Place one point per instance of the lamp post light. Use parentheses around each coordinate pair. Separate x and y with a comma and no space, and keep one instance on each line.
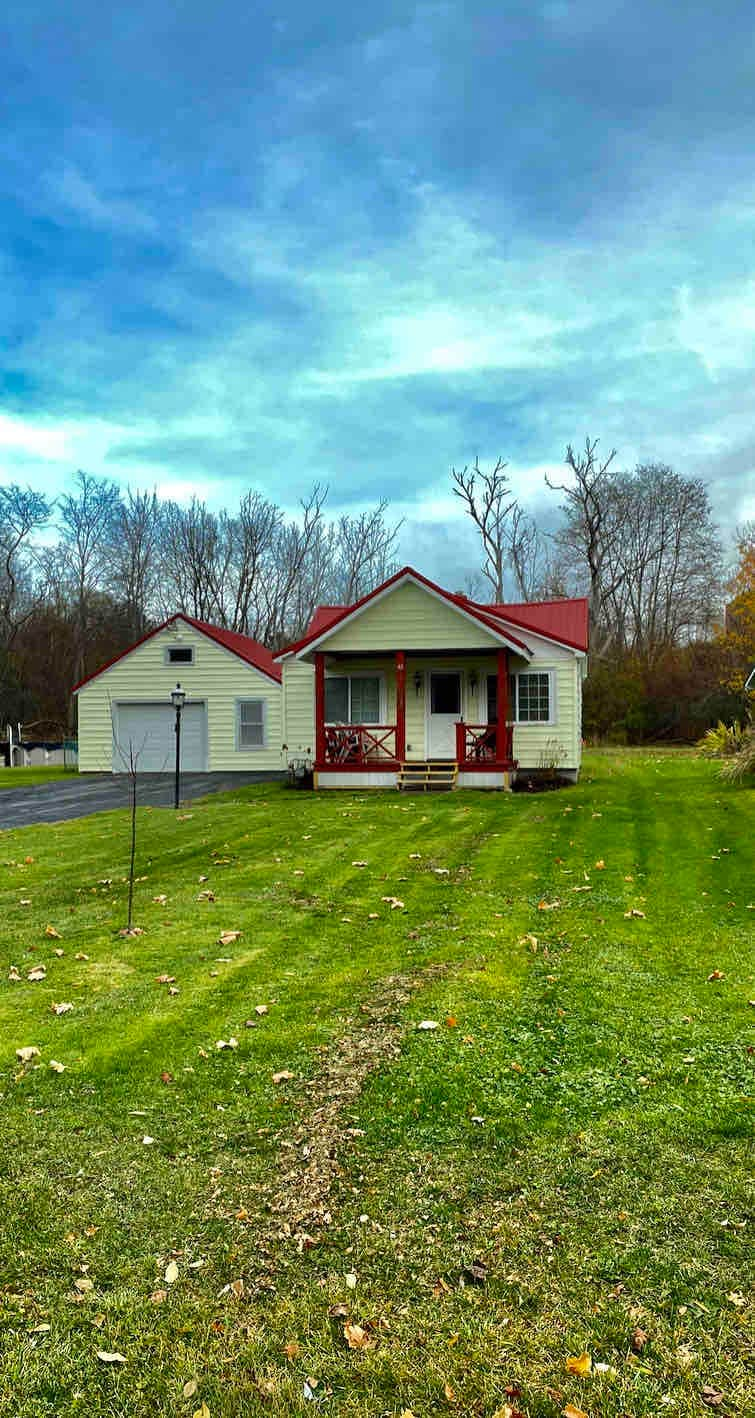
(177,699)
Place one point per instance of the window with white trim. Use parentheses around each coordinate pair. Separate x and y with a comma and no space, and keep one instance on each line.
(352,699)
(532,699)
(250,723)
(180,655)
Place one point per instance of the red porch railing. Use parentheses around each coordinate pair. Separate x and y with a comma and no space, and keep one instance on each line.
(477,744)
(360,745)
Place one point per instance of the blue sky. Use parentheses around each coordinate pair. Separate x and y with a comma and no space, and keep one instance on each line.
(262,244)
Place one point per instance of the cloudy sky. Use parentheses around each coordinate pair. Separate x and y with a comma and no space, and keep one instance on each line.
(261,244)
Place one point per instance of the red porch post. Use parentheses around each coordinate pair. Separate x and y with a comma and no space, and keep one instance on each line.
(502,701)
(400,705)
(319,707)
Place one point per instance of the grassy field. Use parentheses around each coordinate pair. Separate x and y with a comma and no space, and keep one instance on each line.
(28,777)
(346,1212)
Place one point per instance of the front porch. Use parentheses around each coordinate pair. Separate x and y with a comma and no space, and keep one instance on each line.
(429,706)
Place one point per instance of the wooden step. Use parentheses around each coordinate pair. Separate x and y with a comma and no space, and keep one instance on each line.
(427,776)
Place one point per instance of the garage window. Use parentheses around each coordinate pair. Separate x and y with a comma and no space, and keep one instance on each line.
(250,723)
(180,655)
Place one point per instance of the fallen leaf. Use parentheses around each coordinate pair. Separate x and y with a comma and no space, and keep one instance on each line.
(158,1297)
(634,913)
(165,979)
(571,1412)
(190,1388)
(203,1411)
(639,1340)
(581,1365)
(37,974)
(84,1285)
(63,1008)
(351,1280)
(13,974)
(451,1021)
(227,1043)
(171,1273)
(600,866)
(292,1350)
(110,1358)
(714,975)
(228,937)
(57,1067)
(51,932)
(282,1077)
(159,900)
(261,1009)
(712,1396)
(448,1393)
(147,1140)
(356,1337)
(548,905)
(428,1024)
(27,1053)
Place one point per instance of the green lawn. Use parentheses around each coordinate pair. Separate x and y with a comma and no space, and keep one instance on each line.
(558,1168)
(29,777)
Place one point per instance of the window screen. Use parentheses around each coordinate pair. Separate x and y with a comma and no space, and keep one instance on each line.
(336,699)
(252,723)
(533,694)
(365,699)
(180,655)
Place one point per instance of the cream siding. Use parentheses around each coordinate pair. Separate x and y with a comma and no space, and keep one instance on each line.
(298,709)
(534,744)
(217,677)
(409,618)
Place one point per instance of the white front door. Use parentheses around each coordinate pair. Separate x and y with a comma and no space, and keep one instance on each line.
(443,702)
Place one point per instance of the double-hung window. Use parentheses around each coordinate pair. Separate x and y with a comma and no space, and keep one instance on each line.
(352,699)
(531,698)
(250,723)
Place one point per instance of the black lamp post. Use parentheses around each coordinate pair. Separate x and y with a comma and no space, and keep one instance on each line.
(177,699)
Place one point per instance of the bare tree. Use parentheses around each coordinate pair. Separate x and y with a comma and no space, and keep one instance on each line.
(22,513)
(133,555)
(591,528)
(365,547)
(85,521)
(488,500)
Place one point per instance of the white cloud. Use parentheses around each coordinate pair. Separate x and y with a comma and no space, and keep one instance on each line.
(39,439)
(719,329)
(74,191)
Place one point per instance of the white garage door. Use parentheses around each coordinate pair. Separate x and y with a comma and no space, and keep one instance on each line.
(149,730)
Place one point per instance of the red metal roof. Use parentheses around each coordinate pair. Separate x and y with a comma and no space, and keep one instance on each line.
(340,613)
(242,645)
(566,621)
(322,616)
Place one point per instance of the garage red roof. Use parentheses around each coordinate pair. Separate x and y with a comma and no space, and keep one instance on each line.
(251,651)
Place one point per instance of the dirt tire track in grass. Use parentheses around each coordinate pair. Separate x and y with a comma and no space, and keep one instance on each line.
(301,1196)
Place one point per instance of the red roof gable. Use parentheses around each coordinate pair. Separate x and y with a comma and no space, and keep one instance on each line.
(331,616)
(566,620)
(251,651)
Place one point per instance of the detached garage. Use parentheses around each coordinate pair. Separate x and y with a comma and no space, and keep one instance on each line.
(231,719)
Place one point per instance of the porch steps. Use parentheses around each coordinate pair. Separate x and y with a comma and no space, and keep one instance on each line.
(429,776)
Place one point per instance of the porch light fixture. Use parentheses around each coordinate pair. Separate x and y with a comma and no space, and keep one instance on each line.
(418,684)
(178,699)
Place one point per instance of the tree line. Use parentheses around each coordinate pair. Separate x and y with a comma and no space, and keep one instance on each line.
(85,575)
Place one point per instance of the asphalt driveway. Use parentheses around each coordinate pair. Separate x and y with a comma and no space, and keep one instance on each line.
(67,798)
